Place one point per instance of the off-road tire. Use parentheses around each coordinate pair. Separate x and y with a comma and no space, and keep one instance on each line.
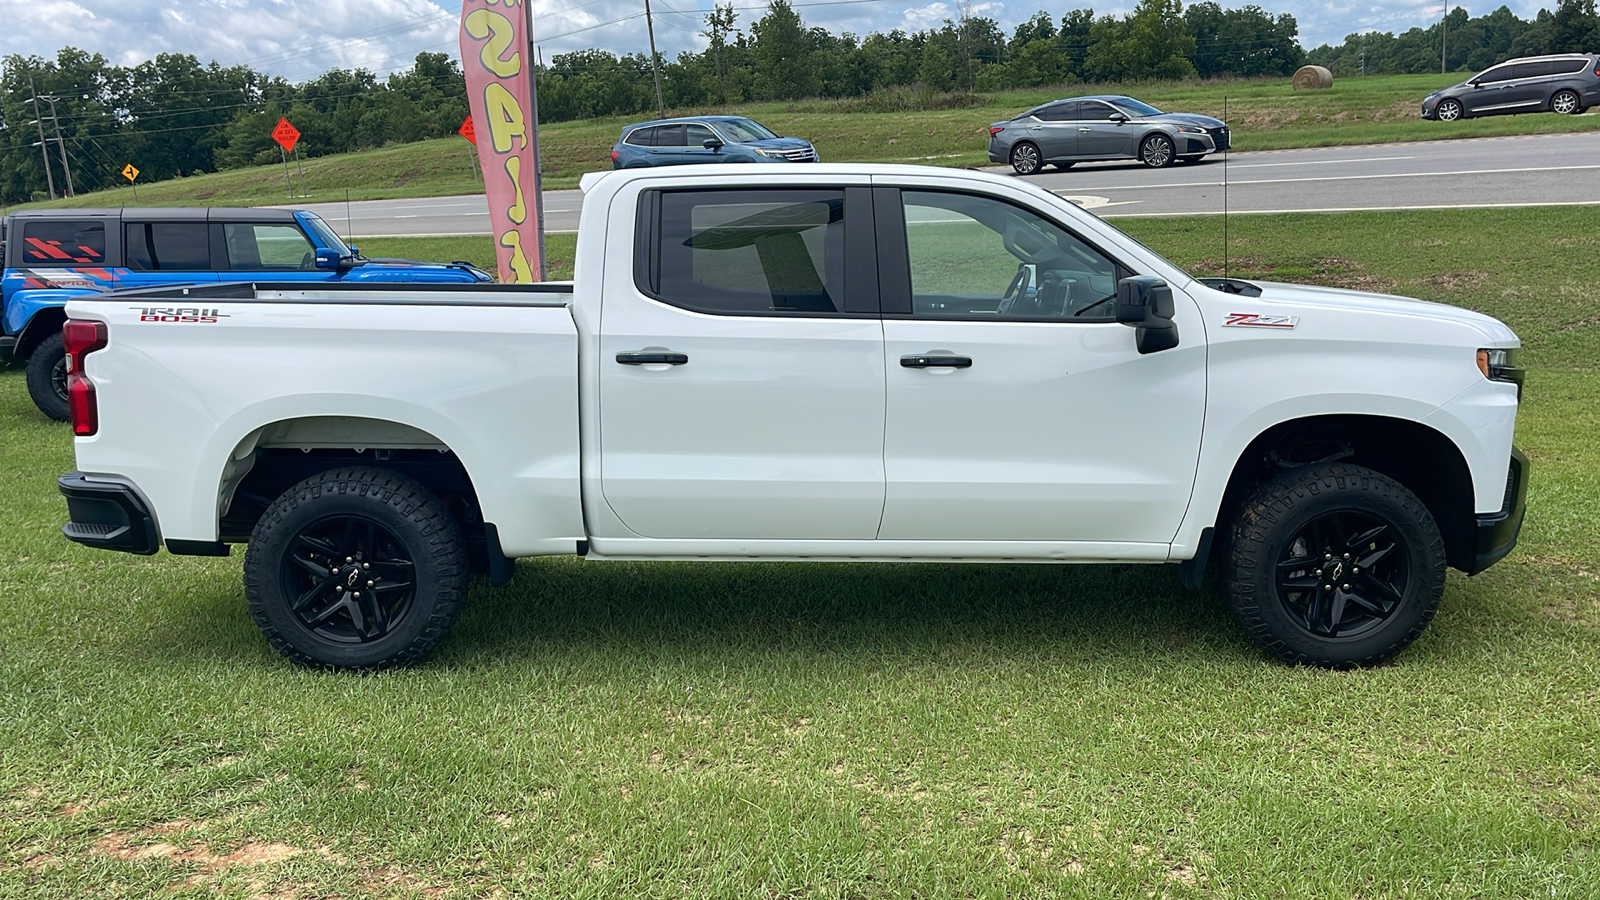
(307,520)
(1278,528)
(47,378)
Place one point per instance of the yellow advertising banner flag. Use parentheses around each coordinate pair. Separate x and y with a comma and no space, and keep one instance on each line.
(494,58)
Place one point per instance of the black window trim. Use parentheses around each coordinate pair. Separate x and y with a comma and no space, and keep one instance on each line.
(894,278)
(861,258)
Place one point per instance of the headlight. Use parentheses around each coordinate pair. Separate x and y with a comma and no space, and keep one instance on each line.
(1191,129)
(774,154)
(1500,364)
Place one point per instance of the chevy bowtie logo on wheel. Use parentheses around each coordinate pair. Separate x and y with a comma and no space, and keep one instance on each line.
(178,314)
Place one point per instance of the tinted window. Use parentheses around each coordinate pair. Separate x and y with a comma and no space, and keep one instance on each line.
(669,136)
(1499,73)
(982,258)
(698,135)
(1095,110)
(1057,112)
(168,246)
(642,137)
(1532,70)
(1571,66)
(261,246)
(746,252)
(64,243)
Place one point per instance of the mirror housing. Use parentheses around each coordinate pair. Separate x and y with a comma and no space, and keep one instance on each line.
(711,143)
(1145,302)
(328,258)
(1118,118)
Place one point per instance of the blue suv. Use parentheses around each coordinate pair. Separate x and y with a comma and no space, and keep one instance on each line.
(53,255)
(705,139)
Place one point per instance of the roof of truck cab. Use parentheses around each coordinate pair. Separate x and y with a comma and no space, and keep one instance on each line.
(166,213)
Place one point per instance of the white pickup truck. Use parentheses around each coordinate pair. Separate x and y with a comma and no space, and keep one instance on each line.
(828,362)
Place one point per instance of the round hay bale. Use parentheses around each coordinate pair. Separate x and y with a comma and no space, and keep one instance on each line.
(1310,78)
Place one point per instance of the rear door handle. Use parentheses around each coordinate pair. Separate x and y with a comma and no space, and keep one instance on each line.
(929,362)
(652,357)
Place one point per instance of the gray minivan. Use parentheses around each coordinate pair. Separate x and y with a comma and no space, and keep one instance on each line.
(1568,83)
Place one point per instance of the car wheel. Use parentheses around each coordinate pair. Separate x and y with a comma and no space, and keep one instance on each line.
(356,568)
(1063,166)
(1449,110)
(1566,103)
(1025,158)
(47,378)
(1156,151)
(1334,565)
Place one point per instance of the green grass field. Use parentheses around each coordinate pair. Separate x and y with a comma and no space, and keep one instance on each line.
(1265,115)
(831,730)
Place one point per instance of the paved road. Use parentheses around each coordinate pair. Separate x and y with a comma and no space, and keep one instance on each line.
(1512,171)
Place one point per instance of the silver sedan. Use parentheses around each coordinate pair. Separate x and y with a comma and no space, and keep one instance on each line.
(1103,127)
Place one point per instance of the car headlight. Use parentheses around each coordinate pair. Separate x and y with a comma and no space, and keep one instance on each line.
(774,154)
(1191,129)
(1500,364)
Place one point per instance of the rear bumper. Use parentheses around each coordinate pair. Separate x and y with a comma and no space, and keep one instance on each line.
(1496,533)
(107,515)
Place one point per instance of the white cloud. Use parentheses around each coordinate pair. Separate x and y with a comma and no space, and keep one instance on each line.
(300,39)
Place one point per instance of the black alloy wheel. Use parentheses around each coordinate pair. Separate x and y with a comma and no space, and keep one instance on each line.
(357,568)
(1025,158)
(47,378)
(1449,110)
(1343,574)
(1334,565)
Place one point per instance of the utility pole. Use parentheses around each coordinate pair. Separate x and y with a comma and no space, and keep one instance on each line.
(649,25)
(44,150)
(60,143)
(1444,34)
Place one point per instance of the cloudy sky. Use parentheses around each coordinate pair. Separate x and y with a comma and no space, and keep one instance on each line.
(299,39)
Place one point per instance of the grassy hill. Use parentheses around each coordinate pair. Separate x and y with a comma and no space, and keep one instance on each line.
(894,126)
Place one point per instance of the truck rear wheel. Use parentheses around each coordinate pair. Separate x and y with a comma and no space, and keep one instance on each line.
(47,377)
(1334,565)
(356,568)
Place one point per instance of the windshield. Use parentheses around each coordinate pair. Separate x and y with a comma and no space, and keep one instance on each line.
(743,131)
(1135,107)
(324,233)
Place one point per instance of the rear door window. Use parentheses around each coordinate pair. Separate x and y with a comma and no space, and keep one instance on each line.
(1058,112)
(167,246)
(749,252)
(669,136)
(1533,69)
(65,243)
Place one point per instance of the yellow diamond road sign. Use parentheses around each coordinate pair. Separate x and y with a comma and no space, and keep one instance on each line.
(129,172)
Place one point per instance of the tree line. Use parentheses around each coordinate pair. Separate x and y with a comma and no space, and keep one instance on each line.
(178,116)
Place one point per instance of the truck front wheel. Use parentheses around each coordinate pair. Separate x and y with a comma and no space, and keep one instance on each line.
(356,568)
(47,377)
(1334,565)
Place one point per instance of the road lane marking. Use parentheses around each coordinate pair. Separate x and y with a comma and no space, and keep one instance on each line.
(1234,182)
(1339,209)
(1318,162)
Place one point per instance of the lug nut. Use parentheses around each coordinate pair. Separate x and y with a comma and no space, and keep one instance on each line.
(339,589)
(366,565)
(348,559)
(1344,587)
(371,583)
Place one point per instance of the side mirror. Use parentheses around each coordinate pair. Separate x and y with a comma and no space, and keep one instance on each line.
(355,252)
(328,258)
(1145,302)
(1118,118)
(711,144)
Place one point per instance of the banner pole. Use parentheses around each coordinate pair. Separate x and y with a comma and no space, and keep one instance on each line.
(533,130)
(288,183)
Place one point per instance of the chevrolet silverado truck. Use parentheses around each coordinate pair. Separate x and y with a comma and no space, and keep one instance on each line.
(56,254)
(846,363)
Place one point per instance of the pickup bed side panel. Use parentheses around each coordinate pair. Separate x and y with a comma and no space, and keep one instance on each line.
(495,384)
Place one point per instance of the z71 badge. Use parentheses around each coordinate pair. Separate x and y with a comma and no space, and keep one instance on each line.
(1253,320)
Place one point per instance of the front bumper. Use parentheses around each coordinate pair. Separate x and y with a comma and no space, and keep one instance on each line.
(1496,533)
(107,515)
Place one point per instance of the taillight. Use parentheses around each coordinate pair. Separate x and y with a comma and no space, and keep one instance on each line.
(82,338)
(996,129)
(614,155)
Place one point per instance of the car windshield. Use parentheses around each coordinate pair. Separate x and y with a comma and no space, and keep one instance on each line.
(743,131)
(325,233)
(1134,107)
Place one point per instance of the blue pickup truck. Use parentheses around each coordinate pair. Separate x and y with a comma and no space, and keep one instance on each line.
(51,255)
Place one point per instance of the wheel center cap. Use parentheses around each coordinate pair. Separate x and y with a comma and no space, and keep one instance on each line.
(352,574)
(1334,571)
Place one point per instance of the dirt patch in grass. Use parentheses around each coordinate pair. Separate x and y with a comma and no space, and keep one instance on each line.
(1457,281)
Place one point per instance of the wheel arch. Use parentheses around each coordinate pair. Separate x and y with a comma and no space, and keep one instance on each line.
(47,321)
(1426,461)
